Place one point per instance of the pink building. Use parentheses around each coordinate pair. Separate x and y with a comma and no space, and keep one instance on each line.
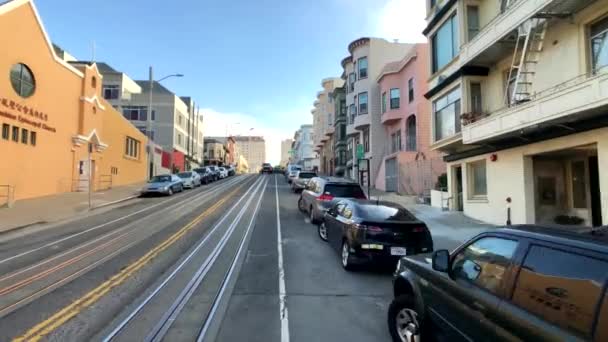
(409,166)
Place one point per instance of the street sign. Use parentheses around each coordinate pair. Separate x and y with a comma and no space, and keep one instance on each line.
(360,152)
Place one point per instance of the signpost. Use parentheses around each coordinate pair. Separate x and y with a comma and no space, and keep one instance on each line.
(360,152)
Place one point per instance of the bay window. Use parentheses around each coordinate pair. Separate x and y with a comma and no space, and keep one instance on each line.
(445,43)
(362,103)
(446,111)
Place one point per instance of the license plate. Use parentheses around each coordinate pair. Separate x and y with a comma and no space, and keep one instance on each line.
(398,251)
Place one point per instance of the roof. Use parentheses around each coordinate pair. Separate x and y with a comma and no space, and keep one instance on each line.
(158,88)
(570,235)
(101,66)
(397,66)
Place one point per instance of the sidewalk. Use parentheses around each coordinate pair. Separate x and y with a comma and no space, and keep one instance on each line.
(453,225)
(48,209)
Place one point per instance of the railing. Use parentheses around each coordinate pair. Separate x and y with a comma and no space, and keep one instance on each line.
(470,117)
(7,195)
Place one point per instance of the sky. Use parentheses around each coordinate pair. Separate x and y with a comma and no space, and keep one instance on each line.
(247,63)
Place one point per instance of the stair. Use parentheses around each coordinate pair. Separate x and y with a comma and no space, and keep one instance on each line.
(528,48)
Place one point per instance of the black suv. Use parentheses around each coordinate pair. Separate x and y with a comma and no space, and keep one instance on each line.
(266,168)
(522,283)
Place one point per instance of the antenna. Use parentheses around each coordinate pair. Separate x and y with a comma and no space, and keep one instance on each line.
(93,52)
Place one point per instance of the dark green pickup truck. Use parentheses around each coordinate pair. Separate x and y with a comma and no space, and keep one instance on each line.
(522,283)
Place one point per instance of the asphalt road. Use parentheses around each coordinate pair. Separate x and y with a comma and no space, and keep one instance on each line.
(204,265)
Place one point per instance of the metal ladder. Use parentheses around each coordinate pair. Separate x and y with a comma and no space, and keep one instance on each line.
(528,47)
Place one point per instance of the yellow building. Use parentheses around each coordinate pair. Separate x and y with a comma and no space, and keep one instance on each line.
(52,114)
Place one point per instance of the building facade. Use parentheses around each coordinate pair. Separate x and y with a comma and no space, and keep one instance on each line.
(409,166)
(367,57)
(253,148)
(215,152)
(339,135)
(303,144)
(285,151)
(518,99)
(323,124)
(57,139)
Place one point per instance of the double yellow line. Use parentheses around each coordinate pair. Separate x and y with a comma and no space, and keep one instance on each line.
(59,318)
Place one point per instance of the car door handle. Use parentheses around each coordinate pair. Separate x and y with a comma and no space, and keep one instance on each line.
(479,307)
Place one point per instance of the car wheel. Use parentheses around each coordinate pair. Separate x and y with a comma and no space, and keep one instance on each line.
(403,320)
(170,192)
(301,205)
(347,262)
(322,231)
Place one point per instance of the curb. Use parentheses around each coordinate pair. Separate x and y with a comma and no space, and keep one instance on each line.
(115,202)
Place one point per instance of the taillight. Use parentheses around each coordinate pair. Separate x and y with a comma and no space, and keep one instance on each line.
(325,197)
(368,228)
(418,230)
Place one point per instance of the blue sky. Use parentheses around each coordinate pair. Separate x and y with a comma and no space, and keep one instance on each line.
(257,63)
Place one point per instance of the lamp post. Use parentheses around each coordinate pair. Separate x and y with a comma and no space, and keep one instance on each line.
(149,119)
(250,149)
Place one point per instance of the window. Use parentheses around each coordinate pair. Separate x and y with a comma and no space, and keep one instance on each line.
(563,288)
(25,134)
(6,128)
(179,139)
(396,141)
(410,90)
(362,103)
(410,141)
(145,132)
(353,113)
(476,97)
(351,82)
(22,80)
(384,102)
(445,44)
(179,119)
(484,262)
(579,187)
(472,21)
(343,108)
(33,138)
(395,97)
(599,44)
(136,113)
(94,82)
(110,92)
(132,147)
(447,115)
(366,139)
(362,65)
(15,134)
(477,179)
(329,120)
(342,131)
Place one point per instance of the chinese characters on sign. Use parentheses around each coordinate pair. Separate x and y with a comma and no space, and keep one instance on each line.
(29,114)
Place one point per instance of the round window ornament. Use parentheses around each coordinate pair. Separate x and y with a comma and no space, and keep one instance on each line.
(22,80)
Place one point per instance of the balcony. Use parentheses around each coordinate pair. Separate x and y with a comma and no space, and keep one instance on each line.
(350,130)
(583,97)
(329,131)
(484,49)
(362,121)
(391,116)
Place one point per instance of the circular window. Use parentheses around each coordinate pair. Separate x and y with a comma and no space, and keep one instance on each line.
(22,80)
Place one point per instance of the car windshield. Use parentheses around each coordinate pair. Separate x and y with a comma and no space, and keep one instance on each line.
(306,175)
(345,190)
(160,179)
(184,174)
(373,212)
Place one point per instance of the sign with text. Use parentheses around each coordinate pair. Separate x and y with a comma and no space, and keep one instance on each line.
(26,114)
(360,151)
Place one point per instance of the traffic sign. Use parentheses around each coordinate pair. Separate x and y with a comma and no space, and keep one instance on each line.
(360,152)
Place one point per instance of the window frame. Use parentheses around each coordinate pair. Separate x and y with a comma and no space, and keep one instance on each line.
(589,40)
(132,148)
(365,138)
(391,98)
(112,88)
(359,67)
(25,135)
(33,138)
(411,142)
(383,102)
(470,29)
(18,83)
(471,195)
(352,78)
(15,133)
(435,109)
(455,41)
(410,90)
(6,131)
(365,95)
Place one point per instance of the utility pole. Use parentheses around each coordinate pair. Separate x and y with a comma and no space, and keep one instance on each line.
(149,124)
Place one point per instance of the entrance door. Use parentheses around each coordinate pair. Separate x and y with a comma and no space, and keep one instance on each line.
(390,169)
(594,184)
(457,194)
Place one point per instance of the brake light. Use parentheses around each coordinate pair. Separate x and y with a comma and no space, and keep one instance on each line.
(418,230)
(325,197)
(368,228)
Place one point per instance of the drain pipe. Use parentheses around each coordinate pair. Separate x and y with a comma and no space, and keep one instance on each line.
(508,211)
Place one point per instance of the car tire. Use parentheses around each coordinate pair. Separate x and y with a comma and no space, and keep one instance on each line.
(301,206)
(345,256)
(311,215)
(322,229)
(401,310)
(170,191)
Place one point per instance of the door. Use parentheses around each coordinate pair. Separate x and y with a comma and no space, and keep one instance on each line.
(457,189)
(333,225)
(390,169)
(594,185)
(464,304)
(308,194)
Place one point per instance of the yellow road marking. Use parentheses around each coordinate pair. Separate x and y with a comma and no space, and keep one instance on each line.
(62,316)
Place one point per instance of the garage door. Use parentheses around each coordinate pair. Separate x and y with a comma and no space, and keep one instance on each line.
(390,169)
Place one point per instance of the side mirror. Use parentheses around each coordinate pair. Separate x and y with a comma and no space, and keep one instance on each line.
(441,260)
(330,212)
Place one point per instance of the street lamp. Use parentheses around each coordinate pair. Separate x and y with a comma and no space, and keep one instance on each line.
(149,120)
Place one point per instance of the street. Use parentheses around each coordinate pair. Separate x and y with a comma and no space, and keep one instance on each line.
(202,265)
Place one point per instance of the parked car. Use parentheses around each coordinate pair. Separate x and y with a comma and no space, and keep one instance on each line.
(190,179)
(266,168)
(315,199)
(522,283)
(231,170)
(301,179)
(163,184)
(223,172)
(364,231)
(205,173)
(215,172)
(289,169)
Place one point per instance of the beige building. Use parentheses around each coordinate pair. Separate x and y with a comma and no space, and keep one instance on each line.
(253,148)
(323,124)
(285,149)
(367,57)
(518,91)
